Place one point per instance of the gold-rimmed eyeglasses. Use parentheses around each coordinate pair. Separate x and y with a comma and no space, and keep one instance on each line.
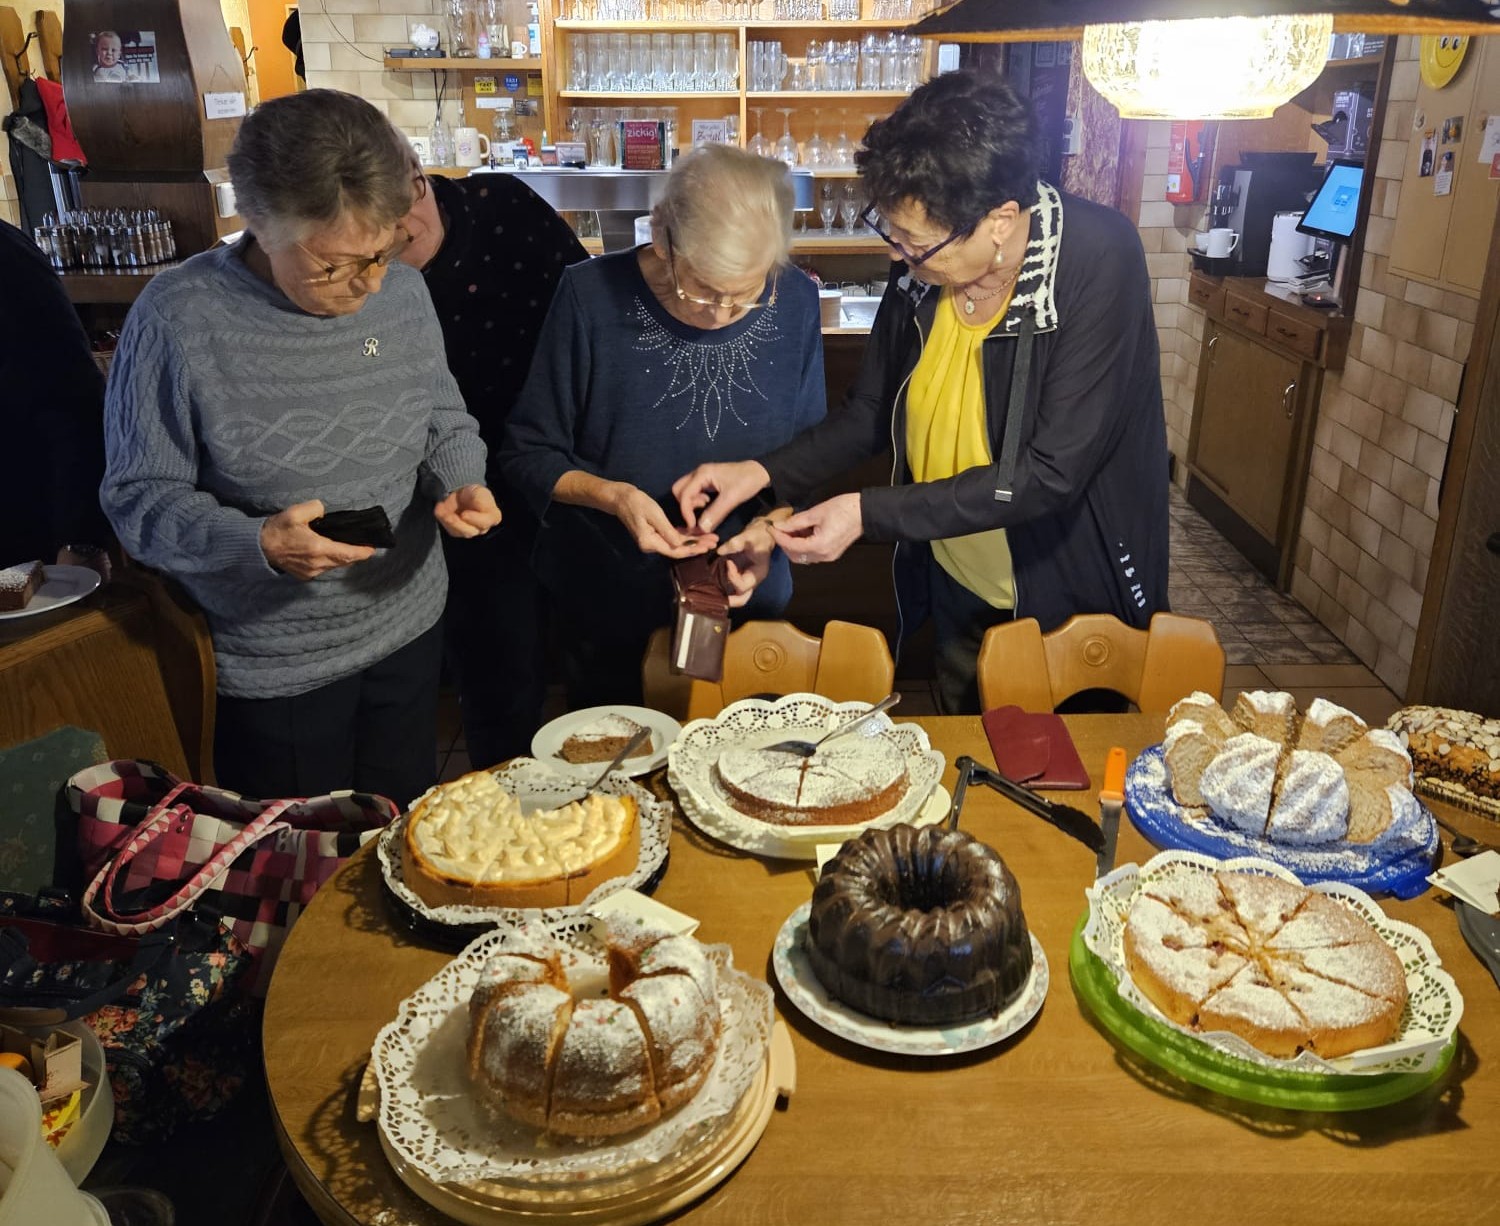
(723,302)
(338,274)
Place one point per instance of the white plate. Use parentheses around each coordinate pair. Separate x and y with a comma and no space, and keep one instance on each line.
(60,585)
(804,989)
(548,742)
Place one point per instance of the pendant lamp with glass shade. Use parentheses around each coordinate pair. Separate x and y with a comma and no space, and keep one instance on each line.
(1206,68)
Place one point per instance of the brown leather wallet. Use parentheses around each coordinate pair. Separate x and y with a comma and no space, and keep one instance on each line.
(702,589)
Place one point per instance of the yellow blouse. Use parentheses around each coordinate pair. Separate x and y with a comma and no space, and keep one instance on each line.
(946,433)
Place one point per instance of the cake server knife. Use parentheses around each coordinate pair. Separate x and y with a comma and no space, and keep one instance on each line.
(1066,818)
(630,747)
(1111,800)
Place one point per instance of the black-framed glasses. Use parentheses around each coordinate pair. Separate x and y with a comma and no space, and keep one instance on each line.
(338,274)
(721,303)
(870,217)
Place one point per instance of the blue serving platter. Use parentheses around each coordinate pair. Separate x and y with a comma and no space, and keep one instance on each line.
(1397,864)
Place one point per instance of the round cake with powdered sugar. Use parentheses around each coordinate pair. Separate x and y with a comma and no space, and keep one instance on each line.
(594,1054)
(1285,968)
(1312,779)
(849,781)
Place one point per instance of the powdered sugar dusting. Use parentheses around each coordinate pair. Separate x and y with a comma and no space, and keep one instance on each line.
(1237,784)
(1312,803)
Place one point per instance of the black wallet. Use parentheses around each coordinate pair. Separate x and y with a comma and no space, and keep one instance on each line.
(702,597)
(368,526)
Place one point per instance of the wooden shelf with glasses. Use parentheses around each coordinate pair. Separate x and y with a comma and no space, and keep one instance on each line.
(648,27)
(684,95)
(407,63)
(811,242)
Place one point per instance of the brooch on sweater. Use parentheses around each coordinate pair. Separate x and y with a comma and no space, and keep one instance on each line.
(372,346)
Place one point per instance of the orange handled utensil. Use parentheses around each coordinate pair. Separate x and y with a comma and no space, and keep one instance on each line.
(1111,800)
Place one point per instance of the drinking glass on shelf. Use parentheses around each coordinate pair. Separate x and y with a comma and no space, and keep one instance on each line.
(619,62)
(726,62)
(578,61)
(850,205)
(797,81)
(462,22)
(682,62)
(669,118)
(786,147)
(817,64)
(842,152)
(759,145)
(869,62)
(640,62)
(828,205)
(703,61)
(817,151)
(661,62)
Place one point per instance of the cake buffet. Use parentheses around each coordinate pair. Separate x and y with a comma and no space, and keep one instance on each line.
(589,1055)
(647,995)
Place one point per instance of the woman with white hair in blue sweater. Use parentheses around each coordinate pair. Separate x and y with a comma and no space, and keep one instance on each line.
(259,386)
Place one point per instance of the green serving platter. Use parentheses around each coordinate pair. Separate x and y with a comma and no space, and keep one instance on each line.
(1194,1061)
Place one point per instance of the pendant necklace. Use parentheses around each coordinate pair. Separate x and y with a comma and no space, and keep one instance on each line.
(971,299)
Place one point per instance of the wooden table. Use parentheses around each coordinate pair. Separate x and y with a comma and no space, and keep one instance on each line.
(1054,1125)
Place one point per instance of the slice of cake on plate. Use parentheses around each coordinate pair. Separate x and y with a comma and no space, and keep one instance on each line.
(18,584)
(601,739)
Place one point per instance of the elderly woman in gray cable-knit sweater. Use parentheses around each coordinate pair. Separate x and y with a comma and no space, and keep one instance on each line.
(258,386)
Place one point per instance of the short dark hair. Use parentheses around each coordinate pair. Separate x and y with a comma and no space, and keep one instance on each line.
(961,145)
(309,158)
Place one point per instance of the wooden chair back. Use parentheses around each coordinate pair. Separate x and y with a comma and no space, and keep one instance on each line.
(1021,666)
(850,663)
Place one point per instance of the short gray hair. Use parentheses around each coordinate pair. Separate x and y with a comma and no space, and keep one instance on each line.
(308,159)
(728,211)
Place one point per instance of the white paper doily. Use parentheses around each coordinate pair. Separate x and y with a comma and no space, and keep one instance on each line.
(806,991)
(1434,1005)
(539,787)
(430,1115)
(756,722)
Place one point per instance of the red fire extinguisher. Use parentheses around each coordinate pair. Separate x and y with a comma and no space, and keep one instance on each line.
(1188,160)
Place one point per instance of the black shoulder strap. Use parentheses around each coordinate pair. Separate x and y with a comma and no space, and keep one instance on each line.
(1010,445)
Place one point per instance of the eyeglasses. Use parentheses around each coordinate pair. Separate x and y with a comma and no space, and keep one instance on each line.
(870,218)
(721,303)
(338,274)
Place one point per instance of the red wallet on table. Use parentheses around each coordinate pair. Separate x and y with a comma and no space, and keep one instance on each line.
(1034,748)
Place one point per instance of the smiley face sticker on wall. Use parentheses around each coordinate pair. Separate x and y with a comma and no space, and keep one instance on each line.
(1441,56)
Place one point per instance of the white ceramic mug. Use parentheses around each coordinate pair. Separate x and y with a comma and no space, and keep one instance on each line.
(471,147)
(1221,243)
(1200,240)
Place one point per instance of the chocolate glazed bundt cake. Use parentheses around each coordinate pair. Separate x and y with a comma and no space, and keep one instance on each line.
(921,927)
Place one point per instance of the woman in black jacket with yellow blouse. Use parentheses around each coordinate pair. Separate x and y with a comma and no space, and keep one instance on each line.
(1013,367)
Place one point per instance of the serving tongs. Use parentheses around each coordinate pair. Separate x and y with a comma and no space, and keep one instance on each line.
(1069,820)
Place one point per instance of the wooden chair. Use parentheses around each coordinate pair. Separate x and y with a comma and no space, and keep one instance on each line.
(1021,666)
(849,663)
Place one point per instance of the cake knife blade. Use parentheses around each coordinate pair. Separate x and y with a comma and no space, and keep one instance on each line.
(1111,800)
(1066,818)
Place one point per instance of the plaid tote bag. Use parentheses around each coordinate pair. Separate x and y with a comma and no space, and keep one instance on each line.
(154,846)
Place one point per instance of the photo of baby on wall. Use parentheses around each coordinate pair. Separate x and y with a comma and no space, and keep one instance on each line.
(125,57)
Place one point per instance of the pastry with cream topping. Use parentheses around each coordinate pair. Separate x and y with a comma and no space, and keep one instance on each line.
(1286,968)
(470,843)
(850,781)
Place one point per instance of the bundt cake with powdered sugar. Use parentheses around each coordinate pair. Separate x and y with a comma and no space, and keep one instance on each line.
(919,926)
(581,1057)
(1286,968)
(1300,779)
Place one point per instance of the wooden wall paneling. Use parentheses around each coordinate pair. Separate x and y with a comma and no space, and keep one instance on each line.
(1418,243)
(1461,577)
(1132,168)
(49,39)
(1475,193)
(144,129)
(12,45)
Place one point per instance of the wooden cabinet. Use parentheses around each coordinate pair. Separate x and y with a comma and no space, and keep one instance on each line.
(1260,375)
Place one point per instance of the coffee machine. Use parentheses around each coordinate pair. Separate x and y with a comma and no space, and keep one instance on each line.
(1247,198)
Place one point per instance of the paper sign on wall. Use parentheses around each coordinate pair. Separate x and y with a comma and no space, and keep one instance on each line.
(484,85)
(226,105)
(1490,145)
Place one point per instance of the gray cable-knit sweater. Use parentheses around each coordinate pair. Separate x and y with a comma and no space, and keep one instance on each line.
(226,404)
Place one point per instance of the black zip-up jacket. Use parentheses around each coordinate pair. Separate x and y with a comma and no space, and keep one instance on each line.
(1085,503)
